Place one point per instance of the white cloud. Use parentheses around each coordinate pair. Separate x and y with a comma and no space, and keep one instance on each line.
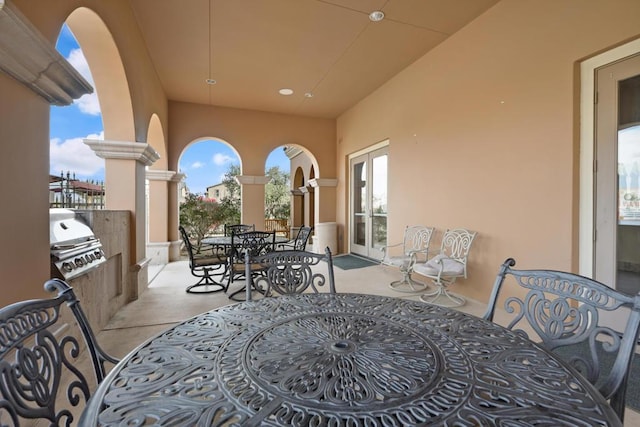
(75,156)
(87,104)
(220,159)
(197,165)
(79,62)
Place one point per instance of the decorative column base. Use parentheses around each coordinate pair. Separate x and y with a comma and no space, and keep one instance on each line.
(158,252)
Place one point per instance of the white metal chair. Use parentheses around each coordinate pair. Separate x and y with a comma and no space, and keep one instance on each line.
(415,249)
(563,312)
(444,268)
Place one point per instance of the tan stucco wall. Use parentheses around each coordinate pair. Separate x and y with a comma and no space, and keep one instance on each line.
(254,135)
(483,132)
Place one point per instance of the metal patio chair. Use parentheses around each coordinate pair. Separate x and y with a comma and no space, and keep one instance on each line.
(446,267)
(415,249)
(287,272)
(562,312)
(40,377)
(300,242)
(254,243)
(238,228)
(205,265)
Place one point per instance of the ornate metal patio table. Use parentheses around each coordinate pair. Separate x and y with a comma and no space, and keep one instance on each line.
(343,360)
(226,240)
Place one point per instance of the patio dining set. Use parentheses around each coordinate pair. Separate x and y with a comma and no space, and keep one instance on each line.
(297,351)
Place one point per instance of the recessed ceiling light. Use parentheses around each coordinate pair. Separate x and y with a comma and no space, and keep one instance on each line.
(210,81)
(308,95)
(376,16)
(285,92)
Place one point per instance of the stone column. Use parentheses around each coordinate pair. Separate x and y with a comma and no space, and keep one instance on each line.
(125,164)
(158,243)
(252,191)
(174,216)
(325,233)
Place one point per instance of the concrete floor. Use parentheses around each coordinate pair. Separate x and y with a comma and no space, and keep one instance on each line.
(165,303)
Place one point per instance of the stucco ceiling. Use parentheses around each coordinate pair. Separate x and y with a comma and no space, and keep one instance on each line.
(329,48)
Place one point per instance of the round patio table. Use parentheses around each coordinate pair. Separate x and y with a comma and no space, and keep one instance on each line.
(343,360)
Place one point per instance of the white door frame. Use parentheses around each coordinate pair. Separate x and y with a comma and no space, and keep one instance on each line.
(587,159)
(374,147)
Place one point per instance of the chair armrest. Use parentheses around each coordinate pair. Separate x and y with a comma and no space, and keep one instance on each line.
(385,252)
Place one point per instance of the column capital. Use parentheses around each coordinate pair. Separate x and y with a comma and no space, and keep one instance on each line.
(178,177)
(124,150)
(323,182)
(160,175)
(252,180)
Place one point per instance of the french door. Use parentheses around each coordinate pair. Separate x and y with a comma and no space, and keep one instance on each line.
(368,199)
(617,175)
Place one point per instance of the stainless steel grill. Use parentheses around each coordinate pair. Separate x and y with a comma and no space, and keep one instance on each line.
(74,248)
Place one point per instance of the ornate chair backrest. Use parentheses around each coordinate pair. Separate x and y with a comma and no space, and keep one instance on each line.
(253,242)
(416,241)
(300,242)
(456,244)
(230,230)
(289,272)
(563,312)
(187,244)
(39,366)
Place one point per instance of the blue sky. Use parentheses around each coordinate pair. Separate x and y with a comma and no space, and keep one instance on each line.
(204,162)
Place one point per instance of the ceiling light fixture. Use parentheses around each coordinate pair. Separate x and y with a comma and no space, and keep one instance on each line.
(211,81)
(376,16)
(285,92)
(308,95)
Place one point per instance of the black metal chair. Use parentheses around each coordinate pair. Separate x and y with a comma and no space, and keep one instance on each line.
(40,377)
(205,266)
(300,242)
(253,243)
(562,311)
(287,272)
(238,228)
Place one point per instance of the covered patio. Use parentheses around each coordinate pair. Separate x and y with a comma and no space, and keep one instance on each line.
(484,110)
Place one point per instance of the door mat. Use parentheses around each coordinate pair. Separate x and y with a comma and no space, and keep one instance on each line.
(349,262)
(606,362)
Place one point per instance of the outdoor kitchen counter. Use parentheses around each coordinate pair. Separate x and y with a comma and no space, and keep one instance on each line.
(343,359)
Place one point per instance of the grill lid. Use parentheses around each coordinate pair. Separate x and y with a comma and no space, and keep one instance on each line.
(74,248)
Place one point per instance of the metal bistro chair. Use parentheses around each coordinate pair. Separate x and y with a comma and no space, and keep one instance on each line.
(254,243)
(205,266)
(300,242)
(562,311)
(287,272)
(415,249)
(230,230)
(444,268)
(40,377)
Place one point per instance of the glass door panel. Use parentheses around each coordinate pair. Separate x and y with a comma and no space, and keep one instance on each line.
(369,203)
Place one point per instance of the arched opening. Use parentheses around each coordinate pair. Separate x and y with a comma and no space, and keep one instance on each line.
(108,73)
(76,174)
(209,196)
(277,192)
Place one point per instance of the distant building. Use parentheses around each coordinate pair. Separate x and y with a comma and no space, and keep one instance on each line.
(218,191)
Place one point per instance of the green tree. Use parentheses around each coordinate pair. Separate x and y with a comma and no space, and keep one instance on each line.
(199,215)
(230,205)
(277,203)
